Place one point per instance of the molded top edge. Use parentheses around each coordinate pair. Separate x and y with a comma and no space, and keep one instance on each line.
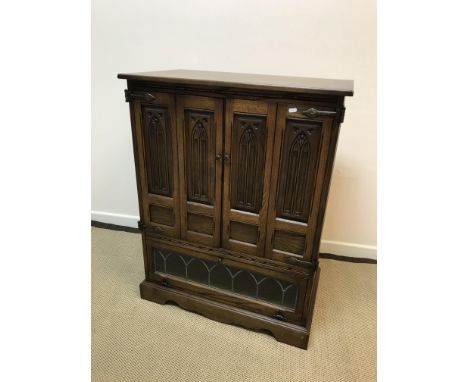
(246,81)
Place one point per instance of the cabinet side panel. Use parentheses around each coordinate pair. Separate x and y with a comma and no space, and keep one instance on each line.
(136,157)
(326,187)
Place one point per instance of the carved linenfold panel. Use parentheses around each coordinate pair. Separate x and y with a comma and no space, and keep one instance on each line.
(227,277)
(158,147)
(248,162)
(200,156)
(299,160)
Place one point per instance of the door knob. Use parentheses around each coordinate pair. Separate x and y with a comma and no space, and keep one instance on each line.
(226,157)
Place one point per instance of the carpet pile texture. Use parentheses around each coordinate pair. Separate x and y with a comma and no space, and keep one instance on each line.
(139,341)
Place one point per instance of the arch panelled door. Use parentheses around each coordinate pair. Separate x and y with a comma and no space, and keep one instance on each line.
(298,171)
(200,137)
(248,148)
(155,134)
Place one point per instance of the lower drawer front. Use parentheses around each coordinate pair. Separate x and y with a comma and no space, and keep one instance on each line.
(230,282)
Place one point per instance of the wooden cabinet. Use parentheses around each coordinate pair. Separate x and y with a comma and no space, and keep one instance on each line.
(233,174)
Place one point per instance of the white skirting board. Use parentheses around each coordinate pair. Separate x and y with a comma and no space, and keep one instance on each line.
(327,246)
(117,219)
(349,249)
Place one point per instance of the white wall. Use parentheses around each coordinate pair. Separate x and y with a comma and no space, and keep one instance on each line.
(322,38)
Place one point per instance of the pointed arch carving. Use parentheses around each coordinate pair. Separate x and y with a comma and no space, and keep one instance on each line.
(158,151)
(299,163)
(248,158)
(199,157)
(298,168)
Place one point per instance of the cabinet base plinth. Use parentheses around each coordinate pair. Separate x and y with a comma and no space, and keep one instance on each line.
(288,333)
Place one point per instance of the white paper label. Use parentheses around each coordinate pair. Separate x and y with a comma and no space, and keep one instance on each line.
(292,109)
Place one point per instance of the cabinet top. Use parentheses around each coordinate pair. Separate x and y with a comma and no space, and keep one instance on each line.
(246,81)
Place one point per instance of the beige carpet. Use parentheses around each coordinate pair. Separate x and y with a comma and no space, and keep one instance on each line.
(137,340)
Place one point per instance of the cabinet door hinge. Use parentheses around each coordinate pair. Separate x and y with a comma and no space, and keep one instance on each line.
(138,96)
(340,112)
(313,113)
(145,227)
(312,264)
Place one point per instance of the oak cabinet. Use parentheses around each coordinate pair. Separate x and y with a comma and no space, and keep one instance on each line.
(233,172)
